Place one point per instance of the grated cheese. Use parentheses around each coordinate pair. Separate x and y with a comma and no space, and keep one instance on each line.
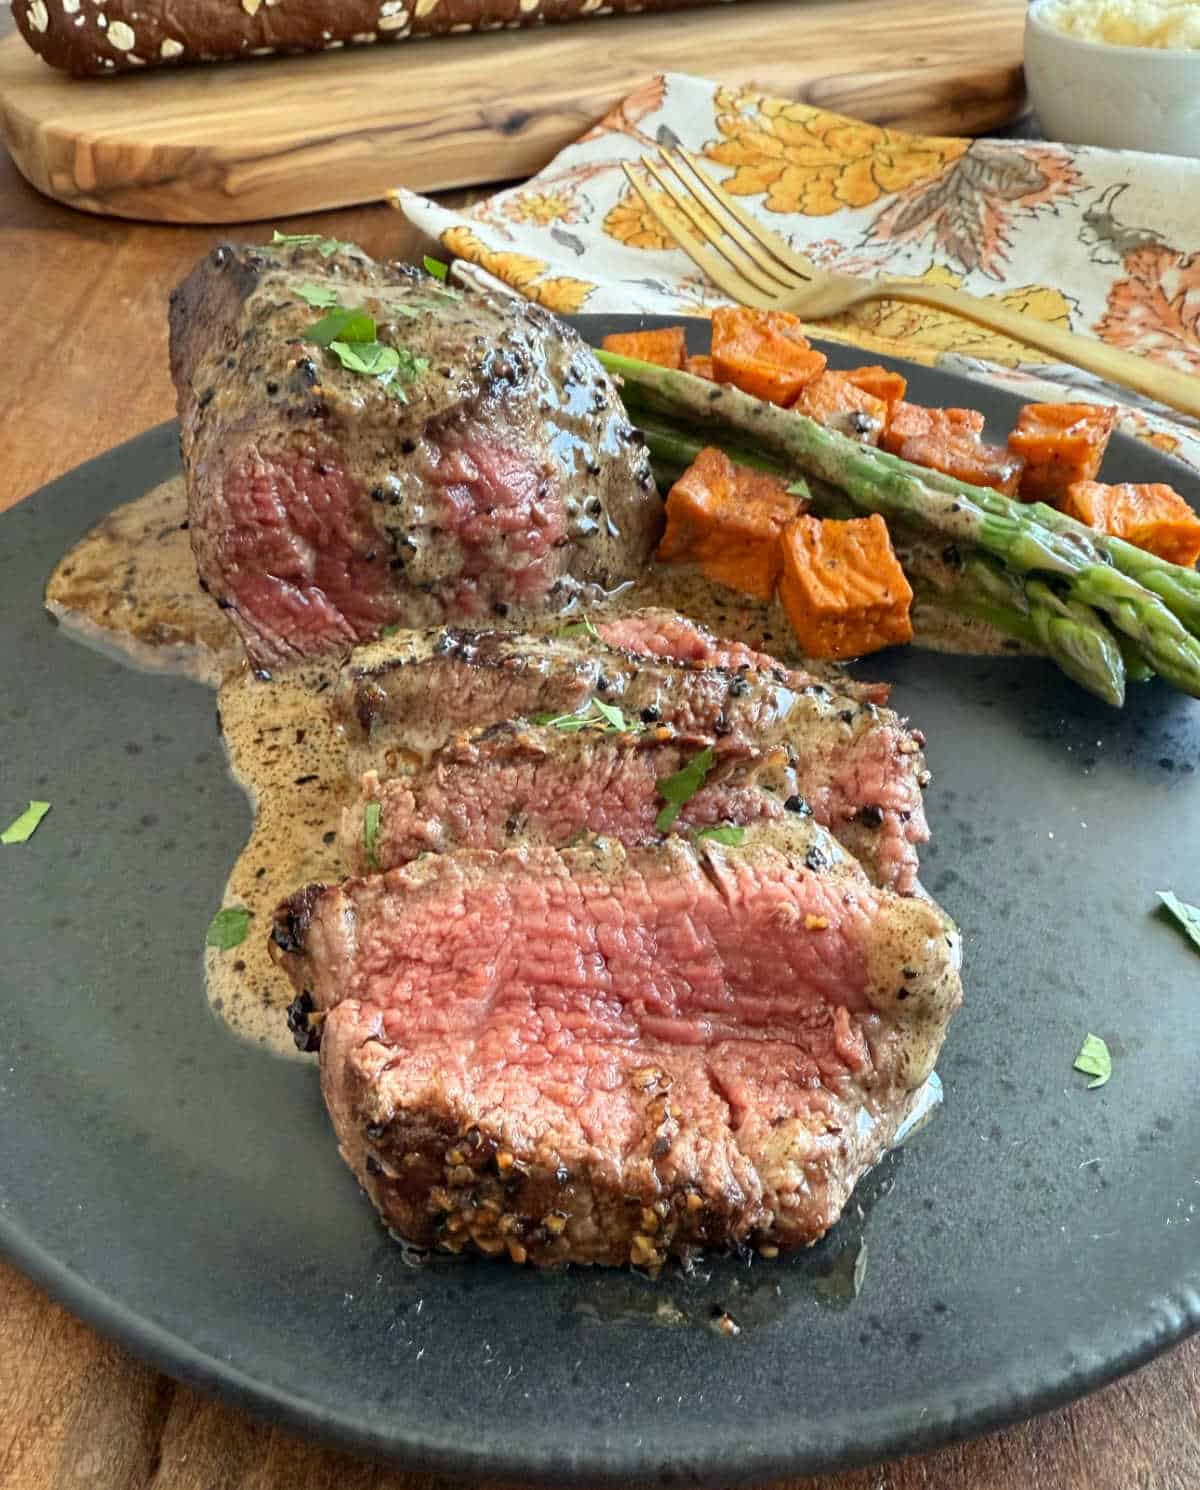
(1171,24)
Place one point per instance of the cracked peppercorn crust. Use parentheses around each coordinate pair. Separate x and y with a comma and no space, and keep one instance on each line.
(495,473)
(80,38)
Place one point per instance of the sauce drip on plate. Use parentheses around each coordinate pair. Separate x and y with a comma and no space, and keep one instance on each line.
(129,587)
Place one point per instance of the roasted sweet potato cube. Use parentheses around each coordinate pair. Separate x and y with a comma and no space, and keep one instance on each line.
(1060,445)
(666,345)
(834,400)
(763,352)
(1154,517)
(966,459)
(842,587)
(915,421)
(728,519)
(881,383)
(948,440)
(699,367)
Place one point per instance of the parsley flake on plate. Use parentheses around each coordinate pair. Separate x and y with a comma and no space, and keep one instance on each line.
(228,928)
(436,267)
(682,786)
(1094,1060)
(1188,916)
(22,829)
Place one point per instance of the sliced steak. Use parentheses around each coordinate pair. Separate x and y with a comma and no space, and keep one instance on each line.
(606,1055)
(516,780)
(323,507)
(857,766)
(654,632)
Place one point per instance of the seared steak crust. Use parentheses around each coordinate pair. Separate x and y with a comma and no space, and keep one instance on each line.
(606,1055)
(323,507)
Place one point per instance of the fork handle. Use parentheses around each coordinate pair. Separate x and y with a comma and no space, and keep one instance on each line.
(1176,389)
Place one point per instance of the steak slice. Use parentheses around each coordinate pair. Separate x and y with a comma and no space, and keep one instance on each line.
(322,507)
(606,1055)
(517,780)
(858,767)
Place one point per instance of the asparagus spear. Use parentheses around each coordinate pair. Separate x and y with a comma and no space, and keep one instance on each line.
(1028,610)
(1069,633)
(976,516)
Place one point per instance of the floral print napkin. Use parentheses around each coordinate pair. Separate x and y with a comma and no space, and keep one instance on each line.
(1104,242)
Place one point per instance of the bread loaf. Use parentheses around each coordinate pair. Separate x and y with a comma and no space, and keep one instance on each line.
(98,37)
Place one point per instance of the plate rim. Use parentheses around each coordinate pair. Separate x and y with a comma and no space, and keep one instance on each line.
(1170,1317)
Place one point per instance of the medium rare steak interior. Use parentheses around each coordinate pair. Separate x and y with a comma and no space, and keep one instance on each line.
(520,781)
(490,469)
(603,1055)
(559,1024)
(857,766)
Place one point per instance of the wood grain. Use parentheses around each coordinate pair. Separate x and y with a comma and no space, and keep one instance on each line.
(246,141)
(85,371)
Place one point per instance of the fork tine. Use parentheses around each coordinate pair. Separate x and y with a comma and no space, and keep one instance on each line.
(750,240)
(689,204)
(709,264)
(769,240)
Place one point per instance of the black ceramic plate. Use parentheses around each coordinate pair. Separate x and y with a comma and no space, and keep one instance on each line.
(182,1192)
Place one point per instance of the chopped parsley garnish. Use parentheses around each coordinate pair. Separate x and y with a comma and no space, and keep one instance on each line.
(390,630)
(1187,915)
(352,336)
(228,928)
(326,247)
(23,828)
(1094,1060)
(436,267)
(598,715)
(371,358)
(414,304)
(582,627)
(722,834)
(343,325)
(680,788)
(371,833)
(320,297)
(614,716)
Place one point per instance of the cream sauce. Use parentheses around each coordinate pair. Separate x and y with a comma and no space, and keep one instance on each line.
(130,587)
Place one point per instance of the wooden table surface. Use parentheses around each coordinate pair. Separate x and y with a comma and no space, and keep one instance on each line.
(84,332)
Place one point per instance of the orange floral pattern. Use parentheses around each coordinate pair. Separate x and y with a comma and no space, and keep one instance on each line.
(632,223)
(1155,307)
(805,160)
(1097,241)
(970,208)
(543,207)
(560,293)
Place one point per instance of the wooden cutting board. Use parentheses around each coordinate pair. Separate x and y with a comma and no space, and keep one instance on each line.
(248,141)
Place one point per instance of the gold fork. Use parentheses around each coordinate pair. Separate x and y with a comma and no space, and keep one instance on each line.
(755,267)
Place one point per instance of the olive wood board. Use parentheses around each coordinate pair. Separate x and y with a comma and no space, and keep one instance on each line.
(248,141)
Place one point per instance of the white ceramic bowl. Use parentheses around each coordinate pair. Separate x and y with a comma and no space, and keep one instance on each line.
(1127,98)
